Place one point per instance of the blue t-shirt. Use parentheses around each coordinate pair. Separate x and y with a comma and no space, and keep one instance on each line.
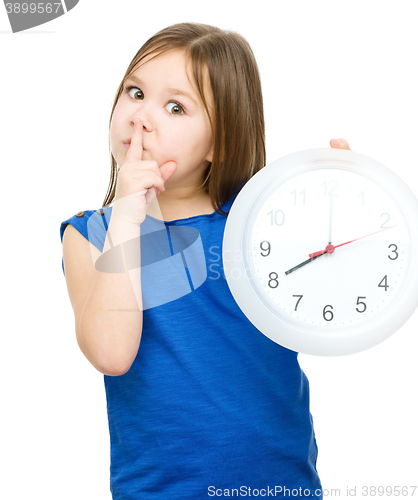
(210,406)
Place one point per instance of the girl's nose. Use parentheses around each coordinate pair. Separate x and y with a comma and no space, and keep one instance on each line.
(144,115)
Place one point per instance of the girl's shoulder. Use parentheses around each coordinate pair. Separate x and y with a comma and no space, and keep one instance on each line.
(92,224)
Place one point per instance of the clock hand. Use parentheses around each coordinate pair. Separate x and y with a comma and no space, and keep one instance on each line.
(303,263)
(331,248)
(313,257)
(330,218)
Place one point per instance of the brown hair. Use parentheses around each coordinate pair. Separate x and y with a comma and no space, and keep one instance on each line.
(238,128)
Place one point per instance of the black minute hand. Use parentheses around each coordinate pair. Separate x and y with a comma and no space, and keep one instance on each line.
(302,264)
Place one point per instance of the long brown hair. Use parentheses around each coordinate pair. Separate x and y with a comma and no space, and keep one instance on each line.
(238,126)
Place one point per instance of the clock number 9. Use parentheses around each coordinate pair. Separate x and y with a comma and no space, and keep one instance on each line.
(265,249)
(330,316)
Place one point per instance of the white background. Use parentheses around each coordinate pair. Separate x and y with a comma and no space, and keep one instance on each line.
(329,69)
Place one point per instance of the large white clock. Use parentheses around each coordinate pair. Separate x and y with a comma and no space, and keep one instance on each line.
(321,251)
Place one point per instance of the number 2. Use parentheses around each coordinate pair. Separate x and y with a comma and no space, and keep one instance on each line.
(383,226)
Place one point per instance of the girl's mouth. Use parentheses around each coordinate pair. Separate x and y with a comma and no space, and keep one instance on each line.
(128,144)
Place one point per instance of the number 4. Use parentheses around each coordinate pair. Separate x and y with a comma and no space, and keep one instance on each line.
(385,283)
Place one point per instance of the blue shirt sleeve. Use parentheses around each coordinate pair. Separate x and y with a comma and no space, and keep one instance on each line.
(92,224)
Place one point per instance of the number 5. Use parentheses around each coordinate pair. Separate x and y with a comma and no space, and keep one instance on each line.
(362,303)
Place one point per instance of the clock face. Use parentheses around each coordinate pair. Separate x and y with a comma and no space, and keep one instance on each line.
(356,221)
(320,252)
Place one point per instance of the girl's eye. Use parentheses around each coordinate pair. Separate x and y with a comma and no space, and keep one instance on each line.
(138,95)
(174,108)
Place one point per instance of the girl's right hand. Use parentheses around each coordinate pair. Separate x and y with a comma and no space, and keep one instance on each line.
(139,182)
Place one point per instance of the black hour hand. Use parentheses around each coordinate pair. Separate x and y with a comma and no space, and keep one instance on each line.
(302,264)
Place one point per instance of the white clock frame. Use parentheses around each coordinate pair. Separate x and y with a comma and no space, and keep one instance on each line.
(240,272)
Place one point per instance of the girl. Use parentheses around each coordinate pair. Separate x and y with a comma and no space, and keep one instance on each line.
(200,403)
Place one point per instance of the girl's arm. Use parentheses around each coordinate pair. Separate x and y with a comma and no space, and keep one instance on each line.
(107,334)
(107,305)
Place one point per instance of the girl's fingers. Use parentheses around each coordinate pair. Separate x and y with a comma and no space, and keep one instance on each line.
(339,144)
(168,169)
(135,149)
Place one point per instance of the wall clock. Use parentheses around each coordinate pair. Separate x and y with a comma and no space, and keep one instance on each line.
(320,252)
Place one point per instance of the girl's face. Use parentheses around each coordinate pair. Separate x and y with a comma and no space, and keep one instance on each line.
(176,125)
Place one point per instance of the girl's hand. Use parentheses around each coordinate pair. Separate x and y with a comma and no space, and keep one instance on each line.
(139,181)
(339,144)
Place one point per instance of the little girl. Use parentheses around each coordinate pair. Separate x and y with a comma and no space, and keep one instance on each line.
(200,403)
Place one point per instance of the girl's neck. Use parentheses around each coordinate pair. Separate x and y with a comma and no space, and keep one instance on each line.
(168,207)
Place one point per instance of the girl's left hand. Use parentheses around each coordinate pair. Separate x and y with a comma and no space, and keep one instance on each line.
(339,144)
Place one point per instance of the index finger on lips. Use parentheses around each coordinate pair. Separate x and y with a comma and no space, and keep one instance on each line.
(135,149)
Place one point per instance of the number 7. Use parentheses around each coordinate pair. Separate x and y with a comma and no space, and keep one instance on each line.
(297,303)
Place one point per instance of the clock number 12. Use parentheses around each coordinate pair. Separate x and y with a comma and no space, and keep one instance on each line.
(329,190)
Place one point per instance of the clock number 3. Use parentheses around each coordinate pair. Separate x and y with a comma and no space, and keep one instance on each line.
(393,251)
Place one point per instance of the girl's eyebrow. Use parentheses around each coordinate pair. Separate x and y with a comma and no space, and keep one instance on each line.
(172,91)
(182,93)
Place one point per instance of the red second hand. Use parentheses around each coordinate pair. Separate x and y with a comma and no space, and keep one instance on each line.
(331,248)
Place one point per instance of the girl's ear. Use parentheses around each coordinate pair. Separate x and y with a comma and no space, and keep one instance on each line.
(209,156)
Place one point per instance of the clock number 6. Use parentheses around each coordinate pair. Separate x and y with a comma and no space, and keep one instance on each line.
(330,316)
